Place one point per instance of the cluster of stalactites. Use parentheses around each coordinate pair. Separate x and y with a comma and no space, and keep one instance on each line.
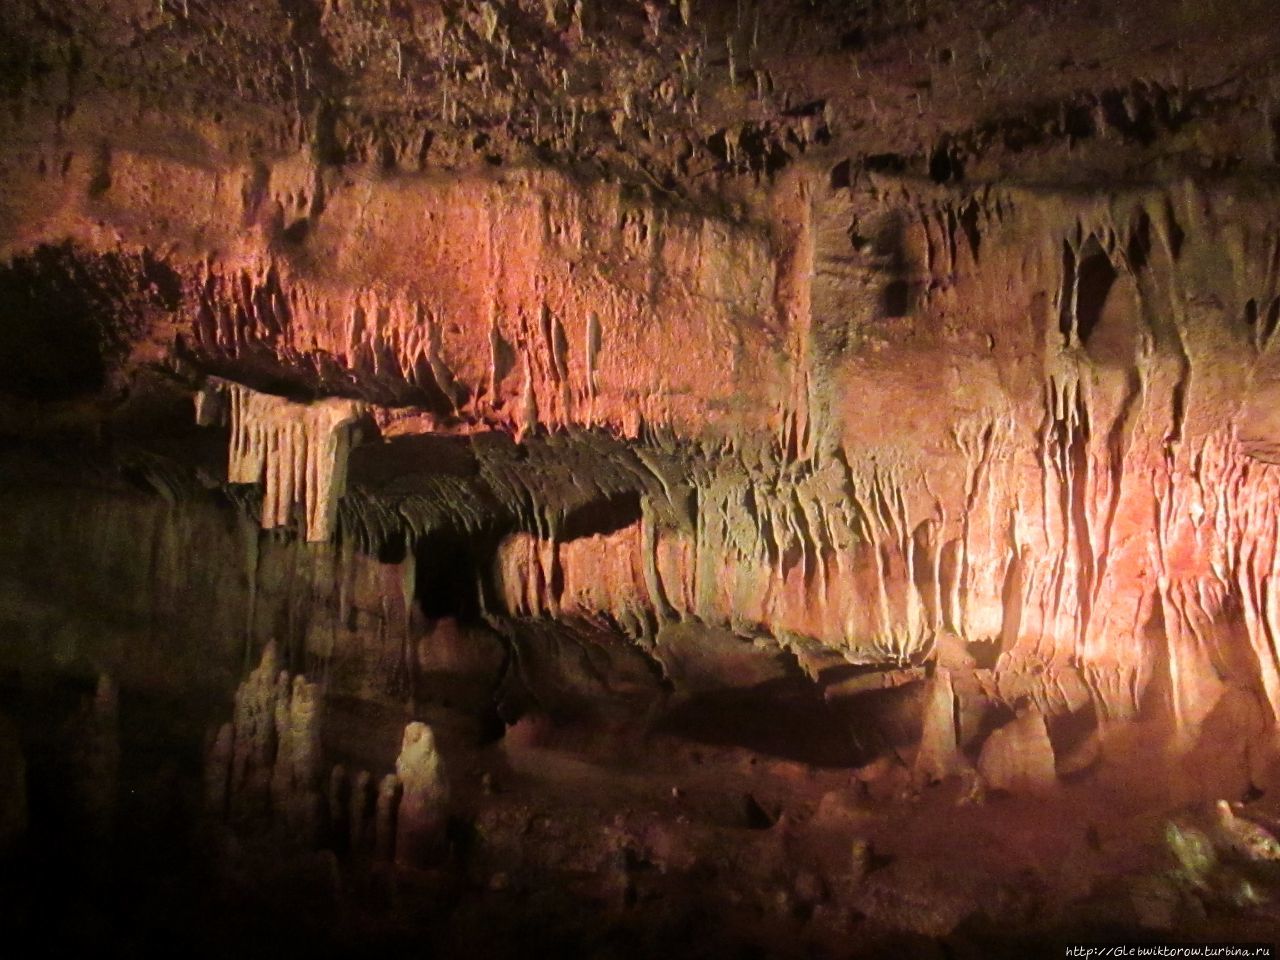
(298,450)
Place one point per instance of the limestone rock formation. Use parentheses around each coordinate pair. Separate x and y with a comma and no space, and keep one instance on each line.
(361,807)
(1018,757)
(385,817)
(424,800)
(264,766)
(907,897)
(1193,850)
(295,778)
(938,756)
(299,451)
(721,405)
(254,744)
(1243,838)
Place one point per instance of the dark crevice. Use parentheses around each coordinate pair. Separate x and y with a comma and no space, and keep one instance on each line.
(968,220)
(449,568)
(1270,323)
(1066,319)
(1139,249)
(602,517)
(945,165)
(1177,235)
(1094,278)
(896,299)
(840,178)
(885,163)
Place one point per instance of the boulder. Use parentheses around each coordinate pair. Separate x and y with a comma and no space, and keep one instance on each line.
(1018,757)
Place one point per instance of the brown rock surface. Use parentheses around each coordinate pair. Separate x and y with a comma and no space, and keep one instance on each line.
(698,425)
(1019,757)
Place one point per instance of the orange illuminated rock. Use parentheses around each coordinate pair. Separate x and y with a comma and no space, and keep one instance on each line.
(939,755)
(874,374)
(1018,757)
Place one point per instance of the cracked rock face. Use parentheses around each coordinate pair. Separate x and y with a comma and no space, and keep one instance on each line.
(801,418)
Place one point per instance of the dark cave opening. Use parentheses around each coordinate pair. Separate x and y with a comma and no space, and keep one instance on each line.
(1095,277)
(68,317)
(449,575)
(50,343)
(603,516)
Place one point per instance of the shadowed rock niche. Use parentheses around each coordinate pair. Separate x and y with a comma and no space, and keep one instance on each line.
(708,478)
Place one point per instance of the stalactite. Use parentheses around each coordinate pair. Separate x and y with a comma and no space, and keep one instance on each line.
(299,450)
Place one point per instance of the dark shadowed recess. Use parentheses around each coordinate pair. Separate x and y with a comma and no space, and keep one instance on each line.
(67,316)
(603,516)
(395,465)
(784,718)
(449,569)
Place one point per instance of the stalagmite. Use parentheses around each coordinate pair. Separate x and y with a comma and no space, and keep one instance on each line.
(384,818)
(938,756)
(218,764)
(264,766)
(338,807)
(295,795)
(424,802)
(361,811)
(255,739)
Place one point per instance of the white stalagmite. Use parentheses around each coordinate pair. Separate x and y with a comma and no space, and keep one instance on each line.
(299,449)
(295,778)
(423,811)
(253,740)
(264,766)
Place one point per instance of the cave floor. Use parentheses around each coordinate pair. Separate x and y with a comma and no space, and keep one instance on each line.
(603,840)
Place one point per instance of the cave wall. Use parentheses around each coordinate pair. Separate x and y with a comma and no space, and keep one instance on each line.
(985,385)
(1092,497)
